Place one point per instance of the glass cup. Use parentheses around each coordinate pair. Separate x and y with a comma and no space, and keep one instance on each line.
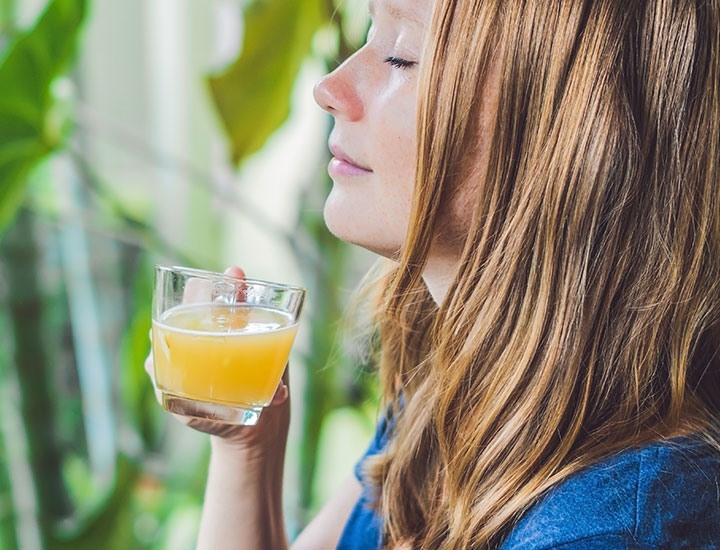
(220,344)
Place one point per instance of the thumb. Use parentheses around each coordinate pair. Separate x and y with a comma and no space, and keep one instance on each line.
(235,271)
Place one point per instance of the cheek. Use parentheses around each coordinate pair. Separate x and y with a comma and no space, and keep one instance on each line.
(374,212)
(395,131)
(461,203)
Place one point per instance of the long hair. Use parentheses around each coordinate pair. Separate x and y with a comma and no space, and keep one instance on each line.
(583,316)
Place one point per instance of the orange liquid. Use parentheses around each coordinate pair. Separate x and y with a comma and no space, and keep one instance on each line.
(228,354)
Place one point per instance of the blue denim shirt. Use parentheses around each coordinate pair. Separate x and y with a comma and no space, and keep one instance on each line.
(664,495)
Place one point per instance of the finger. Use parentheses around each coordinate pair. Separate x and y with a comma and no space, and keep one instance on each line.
(286,375)
(183,419)
(197,291)
(238,273)
(235,271)
(200,291)
(150,369)
(281,394)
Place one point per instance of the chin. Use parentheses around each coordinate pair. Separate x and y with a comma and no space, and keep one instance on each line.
(349,223)
(352,235)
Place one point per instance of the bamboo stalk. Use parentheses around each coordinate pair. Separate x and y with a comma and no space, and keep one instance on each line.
(24,298)
(21,530)
(93,367)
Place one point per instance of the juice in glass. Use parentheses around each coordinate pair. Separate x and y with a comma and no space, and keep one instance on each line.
(229,354)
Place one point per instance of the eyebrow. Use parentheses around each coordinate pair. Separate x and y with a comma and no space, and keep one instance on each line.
(397,12)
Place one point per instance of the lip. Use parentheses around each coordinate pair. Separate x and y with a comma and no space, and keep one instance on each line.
(343,165)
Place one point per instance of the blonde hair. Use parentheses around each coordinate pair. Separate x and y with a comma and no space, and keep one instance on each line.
(583,317)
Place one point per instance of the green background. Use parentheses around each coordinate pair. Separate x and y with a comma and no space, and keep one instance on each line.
(160,131)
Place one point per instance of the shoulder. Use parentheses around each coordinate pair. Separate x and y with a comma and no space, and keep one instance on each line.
(665,494)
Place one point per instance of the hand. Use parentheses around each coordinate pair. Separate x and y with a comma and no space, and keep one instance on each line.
(267,437)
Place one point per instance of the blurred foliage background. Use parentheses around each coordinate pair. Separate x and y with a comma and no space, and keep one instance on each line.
(159,131)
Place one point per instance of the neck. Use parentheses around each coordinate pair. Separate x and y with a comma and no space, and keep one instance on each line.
(438,275)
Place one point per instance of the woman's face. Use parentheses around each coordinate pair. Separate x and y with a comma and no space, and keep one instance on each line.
(373,98)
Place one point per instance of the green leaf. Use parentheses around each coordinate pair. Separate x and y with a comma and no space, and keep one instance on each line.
(253,95)
(32,62)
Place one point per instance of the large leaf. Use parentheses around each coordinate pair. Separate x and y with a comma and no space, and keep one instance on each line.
(253,95)
(28,131)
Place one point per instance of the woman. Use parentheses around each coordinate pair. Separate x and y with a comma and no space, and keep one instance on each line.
(545,178)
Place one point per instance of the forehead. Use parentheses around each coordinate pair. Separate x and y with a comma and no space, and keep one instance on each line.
(416,12)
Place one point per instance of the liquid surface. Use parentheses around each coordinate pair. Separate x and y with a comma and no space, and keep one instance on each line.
(227,354)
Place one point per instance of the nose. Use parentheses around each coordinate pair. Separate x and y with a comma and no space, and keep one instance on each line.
(337,93)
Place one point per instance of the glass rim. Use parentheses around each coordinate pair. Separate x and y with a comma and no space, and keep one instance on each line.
(215,276)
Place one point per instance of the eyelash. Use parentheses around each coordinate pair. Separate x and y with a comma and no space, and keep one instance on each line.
(400,63)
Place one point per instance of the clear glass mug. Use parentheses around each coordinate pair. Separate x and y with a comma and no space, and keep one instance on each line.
(220,344)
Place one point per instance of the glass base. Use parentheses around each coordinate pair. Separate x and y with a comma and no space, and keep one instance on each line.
(204,410)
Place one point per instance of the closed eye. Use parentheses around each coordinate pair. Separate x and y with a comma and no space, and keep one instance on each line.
(400,63)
